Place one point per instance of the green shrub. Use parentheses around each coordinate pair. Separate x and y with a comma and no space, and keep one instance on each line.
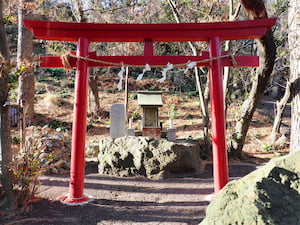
(26,170)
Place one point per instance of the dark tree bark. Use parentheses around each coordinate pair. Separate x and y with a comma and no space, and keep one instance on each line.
(255,9)
(8,202)
(267,52)
(94,104)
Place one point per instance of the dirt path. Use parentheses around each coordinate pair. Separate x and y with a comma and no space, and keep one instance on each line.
(176,200)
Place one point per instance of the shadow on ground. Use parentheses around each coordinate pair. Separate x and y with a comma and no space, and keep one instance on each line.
(177,200)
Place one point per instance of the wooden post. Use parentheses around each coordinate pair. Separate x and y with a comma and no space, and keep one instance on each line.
(76,195)
(126,98)
(220,164)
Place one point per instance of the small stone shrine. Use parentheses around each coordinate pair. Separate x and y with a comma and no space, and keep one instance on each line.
(150,101)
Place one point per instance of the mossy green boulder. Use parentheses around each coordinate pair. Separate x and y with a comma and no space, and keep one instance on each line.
(267,196)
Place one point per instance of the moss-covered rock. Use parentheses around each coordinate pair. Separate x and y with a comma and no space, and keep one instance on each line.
(149,157)
(267,196)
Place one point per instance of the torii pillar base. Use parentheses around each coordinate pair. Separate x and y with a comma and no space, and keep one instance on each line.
(85,199)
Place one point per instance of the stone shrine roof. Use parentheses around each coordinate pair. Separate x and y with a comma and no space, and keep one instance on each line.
(150,98)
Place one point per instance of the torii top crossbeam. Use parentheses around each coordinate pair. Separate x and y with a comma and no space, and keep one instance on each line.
(84,33)
(149,33)
(237,30)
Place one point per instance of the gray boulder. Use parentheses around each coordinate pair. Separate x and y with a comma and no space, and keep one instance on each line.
(149,157)
(267,196)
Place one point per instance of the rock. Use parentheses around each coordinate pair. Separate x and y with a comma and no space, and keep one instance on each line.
(67,165)
(43,156)
(267,196)
(92,150)
(51,149)
(281,142)
(59,164)
(61,170)
(54,170)
(149,157)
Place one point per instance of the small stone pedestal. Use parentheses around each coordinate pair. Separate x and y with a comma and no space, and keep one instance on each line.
(171,134)
(153,132)
(130,132)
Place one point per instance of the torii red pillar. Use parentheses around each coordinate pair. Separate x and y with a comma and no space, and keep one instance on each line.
(84,33)
(217,116)
(79,126)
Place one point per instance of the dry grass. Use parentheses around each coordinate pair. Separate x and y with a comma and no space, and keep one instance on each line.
(187,123)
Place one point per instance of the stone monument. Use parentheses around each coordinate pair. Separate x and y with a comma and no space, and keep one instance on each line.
(117,121)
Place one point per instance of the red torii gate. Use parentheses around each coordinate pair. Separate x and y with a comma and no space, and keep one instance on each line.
(84,33)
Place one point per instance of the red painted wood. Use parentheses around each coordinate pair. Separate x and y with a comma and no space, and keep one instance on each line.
(154,132)
(79,124)
(220,164)
(148,48)
(242,61)
(214,33)
(62,31)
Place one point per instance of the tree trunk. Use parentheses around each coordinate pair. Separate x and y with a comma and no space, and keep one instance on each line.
(280,106)
(202,99)
(233,14)
(94,104)
(267,52)
(5,148)
(8,202)
(24,58)
(294,36)
(77,11)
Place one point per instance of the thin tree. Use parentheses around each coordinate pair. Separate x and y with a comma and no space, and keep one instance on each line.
(203,101)
(25,65)
(255,9)
(294,35)
(232,15)
(6,175)
(94,101)
(280,106)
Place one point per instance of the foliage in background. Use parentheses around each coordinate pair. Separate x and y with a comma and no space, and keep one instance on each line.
(173,113)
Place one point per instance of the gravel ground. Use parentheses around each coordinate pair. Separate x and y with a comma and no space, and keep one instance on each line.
(181,199)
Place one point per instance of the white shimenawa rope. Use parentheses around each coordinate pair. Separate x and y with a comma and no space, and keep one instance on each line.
(65,61)
(188,65)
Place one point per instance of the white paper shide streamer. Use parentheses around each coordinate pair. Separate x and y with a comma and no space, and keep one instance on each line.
(147,68)
(164,72)
(190,65)
(120,74)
